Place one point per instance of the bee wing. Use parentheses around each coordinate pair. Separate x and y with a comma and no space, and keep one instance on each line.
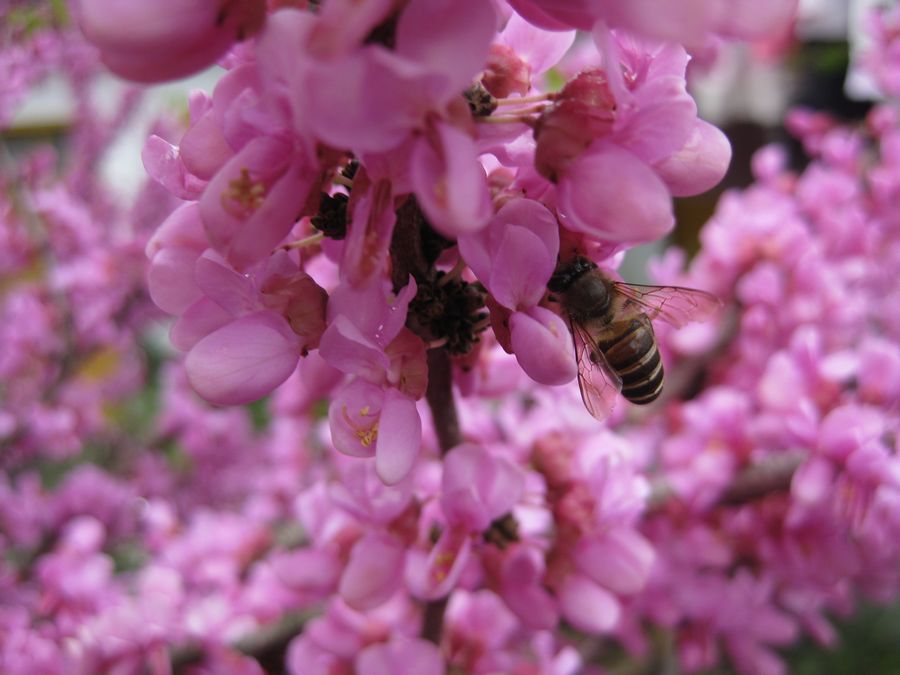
(673,304)
(599,385)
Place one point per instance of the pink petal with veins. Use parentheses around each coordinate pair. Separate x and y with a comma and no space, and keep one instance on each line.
(377,106)
(232,291)
(374,309)
(612,195)
(700,164)
(204,149)
(244,360)
(521,268)
(481,249)
(162,161)
(345,347)
(253,201)
(198,321)
(541,49)
(183,227)
(663,121)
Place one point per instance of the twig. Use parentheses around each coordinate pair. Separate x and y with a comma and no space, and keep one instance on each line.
(440,399)
(433,620)
(756,481)
(268,644)
(446,425)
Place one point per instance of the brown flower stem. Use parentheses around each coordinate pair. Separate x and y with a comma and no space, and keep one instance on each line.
(446,425)
(413,252)
(433,620)
(440,400)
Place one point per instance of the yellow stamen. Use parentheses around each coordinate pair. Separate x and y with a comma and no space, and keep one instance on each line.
(306,241)
(244,195)
(366,436)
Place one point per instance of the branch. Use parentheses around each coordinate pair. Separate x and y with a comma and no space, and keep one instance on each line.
(268,644)
(756,481)
(439,395)
(446,425)
(414,249)
(767,477)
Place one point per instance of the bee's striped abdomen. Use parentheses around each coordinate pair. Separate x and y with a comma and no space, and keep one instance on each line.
(630,349)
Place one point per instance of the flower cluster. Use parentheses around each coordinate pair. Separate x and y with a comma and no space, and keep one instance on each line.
(883,54)
(784,467)
(329,217)
(360,222)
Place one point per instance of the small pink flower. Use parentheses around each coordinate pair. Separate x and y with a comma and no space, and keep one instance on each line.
(369,421)
(252,202)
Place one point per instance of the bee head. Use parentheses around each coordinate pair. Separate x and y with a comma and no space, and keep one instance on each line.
(567,273)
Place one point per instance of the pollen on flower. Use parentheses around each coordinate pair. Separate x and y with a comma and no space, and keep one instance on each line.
(244,195)
(442,564)
(440,192)
(366,435)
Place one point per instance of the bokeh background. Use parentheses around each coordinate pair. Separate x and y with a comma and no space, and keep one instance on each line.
(71,142)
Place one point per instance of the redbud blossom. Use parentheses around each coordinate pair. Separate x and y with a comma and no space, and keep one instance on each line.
(165,40)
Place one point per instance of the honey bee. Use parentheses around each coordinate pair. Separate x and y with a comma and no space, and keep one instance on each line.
(615,347)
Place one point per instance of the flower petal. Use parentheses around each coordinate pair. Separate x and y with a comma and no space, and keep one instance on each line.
(543,346)
(612,195)
(399,437)
(587,606)
(449,181)
(243,360)
(700,164)
(373,573)
(619,560)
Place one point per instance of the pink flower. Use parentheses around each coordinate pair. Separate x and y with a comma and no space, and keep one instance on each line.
(514,257)
(881,56)
(369,421)
(521,586)
(252,202)
(245,333)
(620,140)
(690,23)
(376,415)
(478,487)
(400,656)
(163,41)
